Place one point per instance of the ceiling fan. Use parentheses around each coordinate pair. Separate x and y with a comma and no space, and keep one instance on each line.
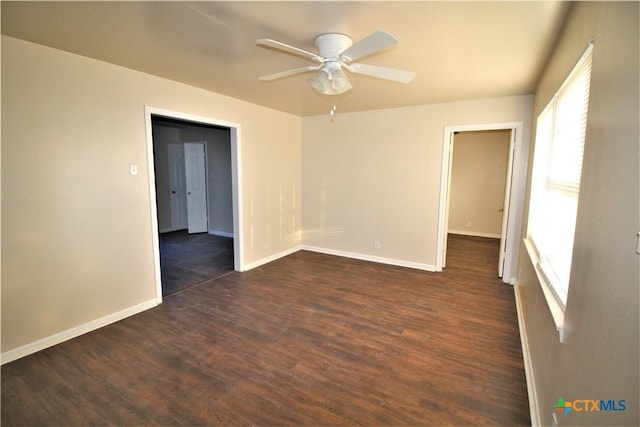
(335,52)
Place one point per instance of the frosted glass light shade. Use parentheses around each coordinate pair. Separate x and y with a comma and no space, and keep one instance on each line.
(330,80)
(339,81)
(320,82)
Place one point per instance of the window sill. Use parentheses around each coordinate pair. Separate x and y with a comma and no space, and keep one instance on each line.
(557,311)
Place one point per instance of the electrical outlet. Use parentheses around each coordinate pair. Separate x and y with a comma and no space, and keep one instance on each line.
(376,244)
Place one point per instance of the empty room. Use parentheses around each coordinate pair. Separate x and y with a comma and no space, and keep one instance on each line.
(422,213)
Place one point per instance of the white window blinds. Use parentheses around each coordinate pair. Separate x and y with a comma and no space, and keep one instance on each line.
(555,184)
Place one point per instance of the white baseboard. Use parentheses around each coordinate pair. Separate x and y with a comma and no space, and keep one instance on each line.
(58,338)
(372,258)
(354,255)
(171,230)
(220,233)
(270,258)
(528,367)
(474,233)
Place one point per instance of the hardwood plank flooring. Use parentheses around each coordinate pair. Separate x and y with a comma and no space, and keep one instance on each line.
(310,339)
(189,259)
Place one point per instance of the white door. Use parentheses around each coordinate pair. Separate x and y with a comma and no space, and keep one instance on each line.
(196,183)
(507,204)
(177,188)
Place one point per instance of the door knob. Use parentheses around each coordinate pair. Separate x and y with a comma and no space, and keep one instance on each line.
(189,193)
(501,210)
(173,191)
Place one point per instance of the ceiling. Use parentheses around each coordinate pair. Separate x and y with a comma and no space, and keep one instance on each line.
(459,50)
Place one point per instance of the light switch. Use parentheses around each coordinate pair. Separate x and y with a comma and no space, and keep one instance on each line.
(133,169)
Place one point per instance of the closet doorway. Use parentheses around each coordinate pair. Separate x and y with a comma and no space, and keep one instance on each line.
(511,208)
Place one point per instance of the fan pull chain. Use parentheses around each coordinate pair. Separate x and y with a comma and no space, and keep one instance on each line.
(332,113)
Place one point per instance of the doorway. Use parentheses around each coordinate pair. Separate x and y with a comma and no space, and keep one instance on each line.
(506,226)
(193,177)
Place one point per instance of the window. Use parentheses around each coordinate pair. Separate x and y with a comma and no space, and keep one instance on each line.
(555,182)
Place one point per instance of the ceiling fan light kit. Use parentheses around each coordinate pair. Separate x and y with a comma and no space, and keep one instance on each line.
(330,80)
(335,52)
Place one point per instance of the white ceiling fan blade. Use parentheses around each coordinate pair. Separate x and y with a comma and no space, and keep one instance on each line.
(370,44)
(278,45)
(289,73)
(399,76)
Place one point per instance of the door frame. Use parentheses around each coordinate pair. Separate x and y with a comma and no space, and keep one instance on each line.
(513,210)
(236,187)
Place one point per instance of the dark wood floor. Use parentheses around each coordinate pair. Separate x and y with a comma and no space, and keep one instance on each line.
(309,339)
(189,259)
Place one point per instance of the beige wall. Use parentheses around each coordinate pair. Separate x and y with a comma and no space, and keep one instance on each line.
(375,175)
(76,243)
(599,359)
(478,181)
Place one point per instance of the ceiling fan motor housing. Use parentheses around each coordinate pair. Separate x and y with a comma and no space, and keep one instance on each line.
(331,45)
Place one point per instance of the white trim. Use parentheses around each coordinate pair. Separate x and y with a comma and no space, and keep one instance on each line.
(534,409)
(74,332)
(443,206)
(504,258)
(474,233)
(236,186)
(364,257)
(153,206)
(212,232)
(271,258)
(220,233)
(557,312)
(236,198)
(517,189)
